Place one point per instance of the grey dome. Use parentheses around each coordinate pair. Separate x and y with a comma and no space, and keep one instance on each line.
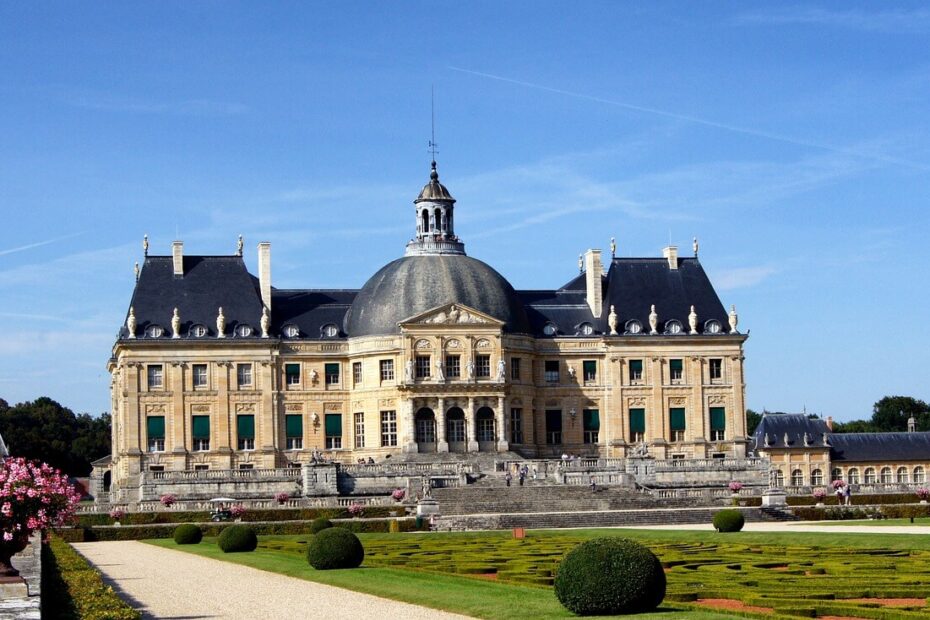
(414,284)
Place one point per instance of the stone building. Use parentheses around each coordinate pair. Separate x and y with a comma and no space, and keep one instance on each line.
(216,369)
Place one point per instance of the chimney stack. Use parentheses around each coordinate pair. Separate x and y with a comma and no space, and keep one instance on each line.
(177,257)
(912,424)
(593,271)
(264,272)
(830,423)
(671,254)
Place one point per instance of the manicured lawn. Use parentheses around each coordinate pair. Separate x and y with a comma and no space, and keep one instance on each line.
(879,522)
(491,575)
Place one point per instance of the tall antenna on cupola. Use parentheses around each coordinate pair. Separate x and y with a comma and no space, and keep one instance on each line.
(433,147)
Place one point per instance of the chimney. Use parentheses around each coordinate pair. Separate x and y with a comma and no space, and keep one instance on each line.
(593,270)
(177,257)
(912,424)
(671,254)
(830,423)
(264,272)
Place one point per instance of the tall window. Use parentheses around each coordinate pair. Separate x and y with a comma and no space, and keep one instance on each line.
(294,430)
(636,371)
(716,369)
(199,375)
(902,475)
(200,432)
(779,478)
(589,371)
(485,424)
(387,370)
(422,367)
(516,425)
(514,368)
(919,475)
(553,426)
(854,476)
(359,419)
(836,474)
(817,477)
(245,432)
(590,424)
(155,431)
(718,423)
(870,475)
(388,429)
(292,374)
(677,423)
(155,376)
(453,366)
(482,365)
(637,425)
(244,375)
(332,373)
(885,475)
(357,373)
(797,478)
(552,371)
(676,370)
(333,431)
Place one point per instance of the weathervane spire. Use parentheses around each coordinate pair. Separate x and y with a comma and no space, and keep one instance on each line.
(433,147)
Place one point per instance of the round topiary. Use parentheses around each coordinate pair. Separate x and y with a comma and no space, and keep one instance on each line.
(237,538)
(319,524)
(606,576)
(335,547)
(729,521)
(187,534)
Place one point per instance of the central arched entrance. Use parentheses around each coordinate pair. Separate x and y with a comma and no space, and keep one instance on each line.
(425,430)
(484,430)
(455,430)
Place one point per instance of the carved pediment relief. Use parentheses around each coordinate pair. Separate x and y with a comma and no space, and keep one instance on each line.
(636,402)
(453,314)
(293,407)
(245,407)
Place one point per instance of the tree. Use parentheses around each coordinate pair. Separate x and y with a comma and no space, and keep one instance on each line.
(854,426)
(892,412)
(752,420)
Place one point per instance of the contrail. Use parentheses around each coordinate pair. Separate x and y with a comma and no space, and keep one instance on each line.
(38,244)
(701,121)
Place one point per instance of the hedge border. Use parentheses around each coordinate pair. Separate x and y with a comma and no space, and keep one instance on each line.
(251,515)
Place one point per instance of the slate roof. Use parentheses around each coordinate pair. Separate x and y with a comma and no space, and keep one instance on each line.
(795,425)
(880,446)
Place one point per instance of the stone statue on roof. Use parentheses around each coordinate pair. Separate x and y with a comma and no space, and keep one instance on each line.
(734,319)
(265,322)
(612,321)
(175,324)
(653,320)
(692,321)
(131,322)
(220,324)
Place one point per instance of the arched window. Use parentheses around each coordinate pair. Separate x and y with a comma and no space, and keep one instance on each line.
(816,477)
(853,476)
(425,223)
(869,475)
(797,478)
(919,475)
(437,219)
(836,474)
(886,475)
(902,475)
(779,478)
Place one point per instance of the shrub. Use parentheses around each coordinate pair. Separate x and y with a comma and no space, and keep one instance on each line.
(282,497)
(168,500)
(729,521)
(187,534)
(610,576)
(335,547)
(923,493)
(398,494)
(320,524)
(237,511)
(356,509)
(236,538)
(819,494)
(117,514)
(735,486)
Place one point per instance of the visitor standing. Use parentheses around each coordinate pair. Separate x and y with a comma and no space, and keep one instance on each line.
(508,477)
(847,494)
(593,483)
(839,496)
(522,476)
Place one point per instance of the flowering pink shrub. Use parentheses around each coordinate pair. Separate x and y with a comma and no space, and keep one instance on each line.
(167,500)
(735,486)
(923,493)
(398,495)
(838,484)
(237,511)
(282,497)
(117,514)
(819,494)
(356,509)
(33,496)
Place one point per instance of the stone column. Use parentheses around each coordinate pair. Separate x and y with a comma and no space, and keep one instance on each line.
(501,423)
(268,428)
(407,424)
(471,426)
(442,444)
(219,420)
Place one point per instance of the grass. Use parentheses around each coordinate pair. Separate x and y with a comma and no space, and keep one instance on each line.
(491,575)
(879,522)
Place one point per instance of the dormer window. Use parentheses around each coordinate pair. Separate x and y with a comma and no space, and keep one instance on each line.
(673,327)
(154,331)
(290,331)
(330,330)
(712,327)
(243,331)
(586,329)
(550,329)
(633,326)
(198,331)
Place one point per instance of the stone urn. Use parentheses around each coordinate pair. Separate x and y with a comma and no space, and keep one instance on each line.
(7,550)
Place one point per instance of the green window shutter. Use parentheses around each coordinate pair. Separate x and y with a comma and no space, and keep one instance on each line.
(200,426)
(589,367)
(332,369)
(636,367)
(334,425)
(591,419)
(245,426)
(675,365)
(553,420)
(637,420)
(677,418)
(718,419)
(294,425)
(155,427)
(292,370)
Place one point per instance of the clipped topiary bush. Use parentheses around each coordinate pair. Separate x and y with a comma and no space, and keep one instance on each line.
(187,534)
(729,521)
(610,576)
(335,547)
(236,538)
(319,524)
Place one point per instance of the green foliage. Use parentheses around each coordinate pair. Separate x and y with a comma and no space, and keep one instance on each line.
(251,516)
(187,534)
(237,538)
(610,576)
(890,414)
(335,547)
(752,420)
(319,524)
(73,590)
(729,521)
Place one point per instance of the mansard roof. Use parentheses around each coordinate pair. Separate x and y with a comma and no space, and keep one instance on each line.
(880,446)
(794,426)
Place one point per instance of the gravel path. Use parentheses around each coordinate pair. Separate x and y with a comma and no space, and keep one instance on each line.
(163,583)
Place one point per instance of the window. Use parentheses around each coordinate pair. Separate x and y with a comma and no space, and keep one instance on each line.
(716,369)
(712,327)
(200,432)
(290,331)
(246,466)
(387,370)
(586,329)
(676,416)
(590,424)
(201,466)
(332,374)
(245,432)
(294,431)
(485,425)
(550,329)
(422,368)
(156,468)
(675,370)
(155,377)
(155,431)
(797,478)
(455,425)
(516,425)
(359,429)
(243,331)
(633,327)
(453,366)
(514,368)
(637,425)
(552,371)
(919,474)
(636,371)
(869,475)
(902,476)
(553,426)
(589,370)
(388,429)
(154,331)
(244,375)
(718,423)
(333,431)
(329,331)
(678,457)
(853,476)
(482,365)
(885,475)
(292,375)
(198,331)
(357,372)
(816,477)
(779,478)
(199,375)
(673,327)
(836,474)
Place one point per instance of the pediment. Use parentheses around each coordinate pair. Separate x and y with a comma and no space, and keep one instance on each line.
(453,314)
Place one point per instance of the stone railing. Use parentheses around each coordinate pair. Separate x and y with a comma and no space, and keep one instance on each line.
(876,488)
(549,466)
(728,464)
(405,469)
(249,504)
(706,493)
(224,474)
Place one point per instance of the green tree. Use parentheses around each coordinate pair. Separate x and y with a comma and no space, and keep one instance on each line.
(854,426)
(752,420)
(892,412)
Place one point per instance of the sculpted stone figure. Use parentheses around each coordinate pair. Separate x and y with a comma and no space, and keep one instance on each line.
(653,320)
(136,270)
(470,367)
(453,314)
(571,371)
(692,321)
(266,322)
(239,246)
(408,371)
(734,319)
(220,324)
(613,247)
(612,321)
(440,374)
(131,322)
(501,371)
(145,245)
(175,324)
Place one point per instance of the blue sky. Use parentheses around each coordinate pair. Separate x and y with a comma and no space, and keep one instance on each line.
(791,140)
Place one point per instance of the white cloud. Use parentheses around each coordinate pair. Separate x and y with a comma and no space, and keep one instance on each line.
(742,277)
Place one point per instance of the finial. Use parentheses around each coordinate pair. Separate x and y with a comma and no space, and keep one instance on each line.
(433,147)
(136,271)
(581,263)
(131,322)
(653,319)
(694,244)
(734,319)
(175,324)
(613,247)
(266,322)
(239,246)
(145,245)
(692,321)
(612,321)
(220,324)
(433,174)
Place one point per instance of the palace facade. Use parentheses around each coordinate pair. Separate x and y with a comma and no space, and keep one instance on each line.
(217,369)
